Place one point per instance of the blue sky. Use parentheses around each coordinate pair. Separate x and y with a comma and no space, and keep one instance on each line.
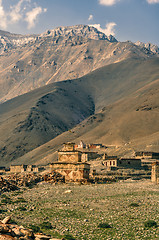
(126,19)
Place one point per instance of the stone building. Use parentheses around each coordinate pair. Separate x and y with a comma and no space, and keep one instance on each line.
(114,163)
(25,168)
(72,171)
(155,172)
(69,156)
(70,164)
(147,155)
(87,156)
(2,170)
(18,168)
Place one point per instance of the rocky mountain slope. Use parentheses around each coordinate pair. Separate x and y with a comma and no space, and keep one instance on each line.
(29,62)
(115,102)
(151,47)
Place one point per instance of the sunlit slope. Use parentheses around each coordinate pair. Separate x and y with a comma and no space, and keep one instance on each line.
(56,58)
(114,93)
(130,125)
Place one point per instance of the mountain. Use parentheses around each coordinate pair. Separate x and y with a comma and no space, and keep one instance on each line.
(126,126)
(32,61)
(149,46)
(9,41)
(115,104)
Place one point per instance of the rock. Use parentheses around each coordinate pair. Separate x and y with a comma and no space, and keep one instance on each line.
(85,220)
(68,191)
(26,232)
(6,237)
(41,237)
(6,220)
(14,232)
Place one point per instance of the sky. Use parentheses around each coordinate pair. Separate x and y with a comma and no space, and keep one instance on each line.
(134,20)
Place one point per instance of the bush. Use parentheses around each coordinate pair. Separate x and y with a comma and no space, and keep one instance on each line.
(4,196)
(45,225)
(104,225)
(134,205)
(35,228)
(150,223)
(20,200)
(21,209)
(68,237)
(6,200)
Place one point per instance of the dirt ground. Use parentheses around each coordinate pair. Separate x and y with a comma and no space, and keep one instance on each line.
(78,211)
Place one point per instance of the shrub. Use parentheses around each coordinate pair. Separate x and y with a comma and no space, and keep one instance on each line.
(134,205)
(20,200)
(45,225)
(35,228)
(6,200)
(104,225)
(4,196)
(150,223)
(68,237)
(21,209)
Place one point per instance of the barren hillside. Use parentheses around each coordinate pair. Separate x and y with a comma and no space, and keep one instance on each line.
(116,104)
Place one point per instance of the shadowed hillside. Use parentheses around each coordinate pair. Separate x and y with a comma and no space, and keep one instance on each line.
(117,94)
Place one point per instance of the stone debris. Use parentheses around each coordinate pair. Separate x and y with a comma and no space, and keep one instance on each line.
(53,177)
(14,232)
(15,181)
(6,220)
(25,180)
(68,191)
(7,185)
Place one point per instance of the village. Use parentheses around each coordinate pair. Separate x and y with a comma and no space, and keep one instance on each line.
(78,162)
(77,180)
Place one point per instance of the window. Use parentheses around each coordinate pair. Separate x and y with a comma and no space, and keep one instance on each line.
(110,163)
(113,163)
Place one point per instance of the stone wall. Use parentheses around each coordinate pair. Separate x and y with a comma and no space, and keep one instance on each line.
(155,172)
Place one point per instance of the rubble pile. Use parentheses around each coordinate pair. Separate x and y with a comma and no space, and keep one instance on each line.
(6,186)
(13,182)
(25,180)
(14,232)
(54,177)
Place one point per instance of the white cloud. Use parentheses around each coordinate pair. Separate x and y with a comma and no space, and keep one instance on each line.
(22,11)
(3,17)
(152,1)
(32,15)
(90,17)
(108,2)
(108,30)
(15,13)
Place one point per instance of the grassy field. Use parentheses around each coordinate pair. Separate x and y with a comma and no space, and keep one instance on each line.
(103,211)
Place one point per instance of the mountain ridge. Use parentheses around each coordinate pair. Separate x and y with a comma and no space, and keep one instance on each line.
(61,54)
(11,40)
